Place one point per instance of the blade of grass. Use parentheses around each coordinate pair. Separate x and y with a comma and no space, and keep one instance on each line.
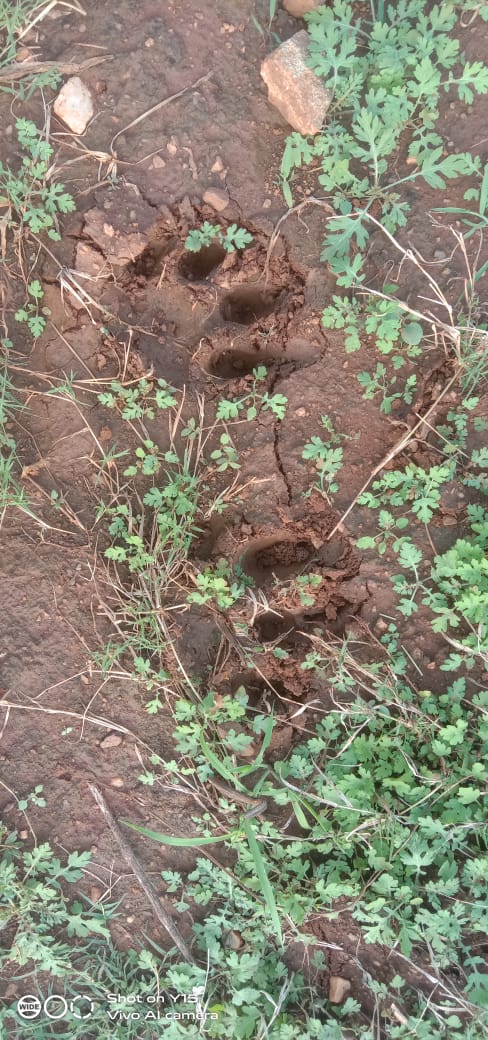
(168,839)
(262,876)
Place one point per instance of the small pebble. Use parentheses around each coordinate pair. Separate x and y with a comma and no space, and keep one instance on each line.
(112,740)
(23,835)
(117,781)
(217,198)
(440,254)
(218,165)
(267,204)
(338,989)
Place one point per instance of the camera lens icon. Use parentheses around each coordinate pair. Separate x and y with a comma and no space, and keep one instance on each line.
(29,1006)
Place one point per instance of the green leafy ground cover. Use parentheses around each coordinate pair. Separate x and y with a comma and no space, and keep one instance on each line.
(387,795)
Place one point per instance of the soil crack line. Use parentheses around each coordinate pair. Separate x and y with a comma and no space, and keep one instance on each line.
(279,463)
(276,376)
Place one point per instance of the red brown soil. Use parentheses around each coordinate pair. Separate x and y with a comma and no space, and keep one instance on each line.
(202,328)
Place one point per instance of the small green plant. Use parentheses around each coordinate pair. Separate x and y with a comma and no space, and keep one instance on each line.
(31,200)
(217,585)
(231,239)
(29,313)
(32,901)
(383,319)
(139,401)
(389,526)
(459,597)
(253,402)
(328,458)
(34,797)
(226,455)
(414,488)
(378,383)
(302,588)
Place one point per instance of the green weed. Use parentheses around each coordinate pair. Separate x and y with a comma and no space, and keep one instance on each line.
(386,77)
(30,198)
(328,457)
(378,383)
(231,239)
(33,904)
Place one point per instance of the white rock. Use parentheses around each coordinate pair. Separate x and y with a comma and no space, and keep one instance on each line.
(74,105)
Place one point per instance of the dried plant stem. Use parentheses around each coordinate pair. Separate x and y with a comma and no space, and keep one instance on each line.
(146,885)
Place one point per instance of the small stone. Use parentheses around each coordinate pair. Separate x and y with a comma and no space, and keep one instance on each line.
(157,162)
(300,412)
(93,849)
(113,740)
(233,940)
(130,919)
(117,781)
(149,42)
(89,261)
(300,7)
(218,165)
(338,989)
(267,204)
(23,835)
(293,88)
(112,227)
(172,147)
(440,254)
(95,893)
(217,198)
(74,105)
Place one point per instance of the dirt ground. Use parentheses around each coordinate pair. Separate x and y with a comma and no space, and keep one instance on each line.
(204,329)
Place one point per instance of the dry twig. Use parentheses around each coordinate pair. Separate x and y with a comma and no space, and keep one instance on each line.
(146,885)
